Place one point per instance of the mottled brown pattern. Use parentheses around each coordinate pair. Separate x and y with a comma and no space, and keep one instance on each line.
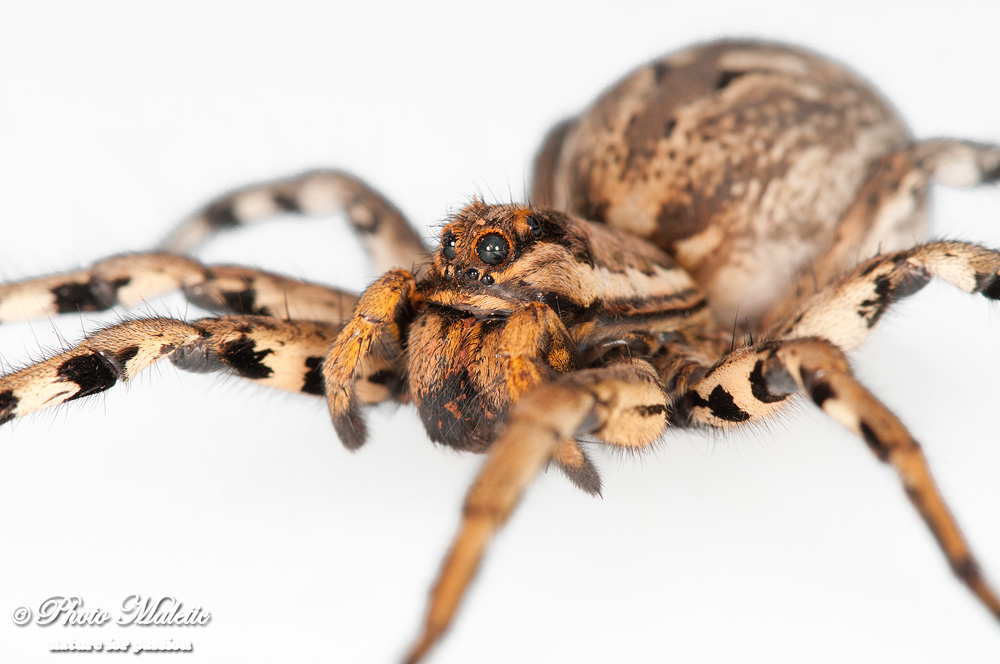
(730,175)
(738,158)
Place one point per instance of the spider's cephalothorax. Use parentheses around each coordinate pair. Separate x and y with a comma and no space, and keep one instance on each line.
(516,296)
(732,175)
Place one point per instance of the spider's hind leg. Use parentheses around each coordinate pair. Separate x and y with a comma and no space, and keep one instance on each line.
(388,237)
(752,382)
(847,312)
(889,209)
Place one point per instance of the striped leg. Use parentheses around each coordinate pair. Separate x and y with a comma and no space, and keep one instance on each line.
(885,207)
(130,279)
(281,354)
(624,404)
(387,236)
(847,312)
(888,212)
(752,382)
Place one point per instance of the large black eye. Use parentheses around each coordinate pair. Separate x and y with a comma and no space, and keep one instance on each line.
(492,249)
(448,245)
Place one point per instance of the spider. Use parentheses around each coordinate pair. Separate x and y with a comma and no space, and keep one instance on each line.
(731,182)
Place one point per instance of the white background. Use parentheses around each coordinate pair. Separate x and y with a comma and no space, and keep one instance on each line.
(787,544)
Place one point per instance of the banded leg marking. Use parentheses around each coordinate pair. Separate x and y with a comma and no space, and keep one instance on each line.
(595,401)
(386,234)
(280,354)
(847,311)
(113,354)
(761,377)
(883,212)
(888,212)
(130,279)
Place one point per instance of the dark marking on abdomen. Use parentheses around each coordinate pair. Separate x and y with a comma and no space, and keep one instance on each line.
(660,71)
(727,77)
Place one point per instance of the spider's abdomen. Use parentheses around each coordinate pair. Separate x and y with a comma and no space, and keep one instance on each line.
(738,158)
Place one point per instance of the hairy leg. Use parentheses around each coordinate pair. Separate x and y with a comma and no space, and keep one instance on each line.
(375,329)
(752,382)
(282,354)
(847,312)
(888,211)
(130,279)
(384,230)
(623,404)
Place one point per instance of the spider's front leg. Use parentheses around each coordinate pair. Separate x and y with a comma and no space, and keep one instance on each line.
(283,354)
(622,404)
(753,382)
(381,316)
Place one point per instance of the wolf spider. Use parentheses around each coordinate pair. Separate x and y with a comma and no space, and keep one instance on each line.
(735,181)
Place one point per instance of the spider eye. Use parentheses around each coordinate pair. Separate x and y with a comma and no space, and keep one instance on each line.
(492,249)
(536,228)
(448,245)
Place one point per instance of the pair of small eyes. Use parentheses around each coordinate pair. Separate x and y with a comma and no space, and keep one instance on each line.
(491,248)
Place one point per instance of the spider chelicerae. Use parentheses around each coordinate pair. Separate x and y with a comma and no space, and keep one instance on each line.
(763,174)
